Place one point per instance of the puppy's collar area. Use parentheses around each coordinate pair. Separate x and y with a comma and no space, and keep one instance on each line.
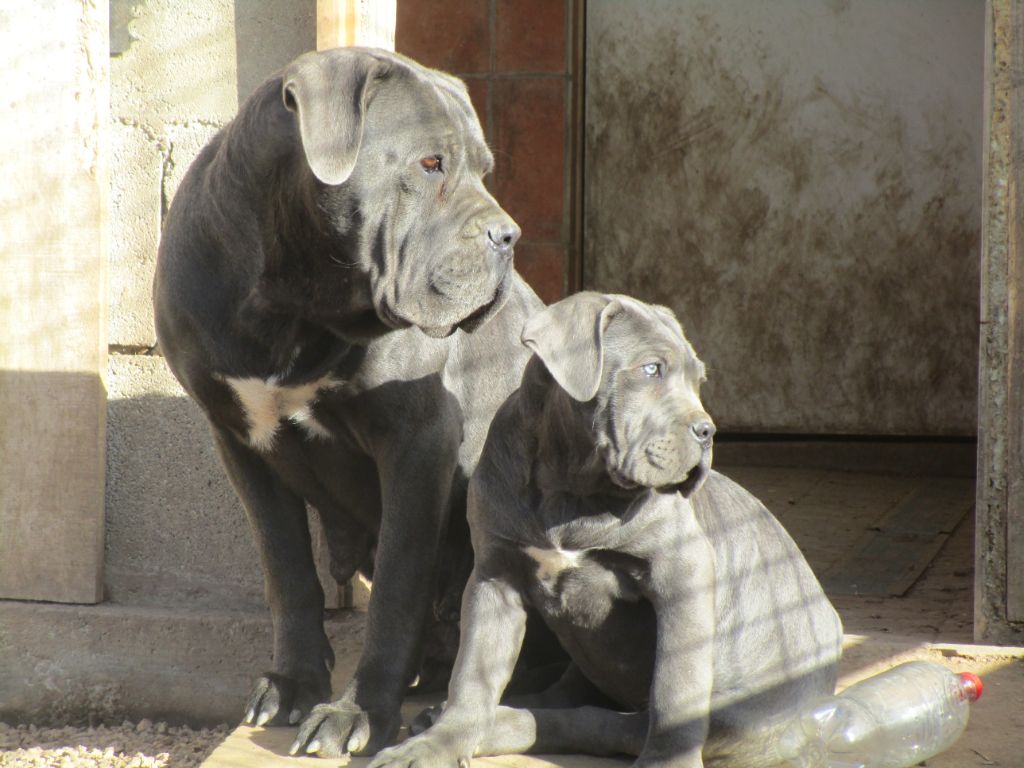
(693,480)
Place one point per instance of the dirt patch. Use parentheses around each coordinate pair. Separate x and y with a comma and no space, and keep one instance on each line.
(130,745)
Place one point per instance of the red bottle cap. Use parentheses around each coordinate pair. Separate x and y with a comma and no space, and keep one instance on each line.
(972,685)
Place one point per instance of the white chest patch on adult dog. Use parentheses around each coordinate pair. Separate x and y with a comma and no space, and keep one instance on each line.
(551,562)
(266,404)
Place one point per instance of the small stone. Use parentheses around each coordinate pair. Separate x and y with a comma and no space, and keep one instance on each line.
(144,725)
(161,727)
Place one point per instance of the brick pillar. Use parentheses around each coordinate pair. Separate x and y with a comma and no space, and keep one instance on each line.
(516,59)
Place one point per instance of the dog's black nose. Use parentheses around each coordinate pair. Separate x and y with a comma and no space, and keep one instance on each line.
(703,430)
(503,235)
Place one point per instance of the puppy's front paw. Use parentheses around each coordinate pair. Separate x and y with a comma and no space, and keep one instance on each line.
(688,759)
(425,751)
(282,700)
(340,728)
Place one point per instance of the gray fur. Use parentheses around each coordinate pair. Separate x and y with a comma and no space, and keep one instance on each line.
(690,615)
(349,322)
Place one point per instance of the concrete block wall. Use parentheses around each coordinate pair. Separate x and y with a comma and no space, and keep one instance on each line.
(175,532)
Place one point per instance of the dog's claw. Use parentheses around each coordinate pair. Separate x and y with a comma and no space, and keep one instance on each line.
(422,752)
(339,728)
(279,699)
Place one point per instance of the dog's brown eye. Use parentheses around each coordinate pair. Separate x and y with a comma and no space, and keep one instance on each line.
(431,163)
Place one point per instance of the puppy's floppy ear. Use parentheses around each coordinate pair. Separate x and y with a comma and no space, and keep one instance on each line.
(327,92)
(569,338)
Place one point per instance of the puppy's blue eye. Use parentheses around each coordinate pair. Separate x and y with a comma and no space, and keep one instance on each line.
(651,370)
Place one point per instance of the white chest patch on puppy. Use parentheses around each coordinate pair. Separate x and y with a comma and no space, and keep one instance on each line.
(266,404)
(551,562)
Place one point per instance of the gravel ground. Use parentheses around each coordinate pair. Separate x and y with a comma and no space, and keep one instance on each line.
(130,745)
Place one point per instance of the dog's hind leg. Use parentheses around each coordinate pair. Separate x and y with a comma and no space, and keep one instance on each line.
(350,546)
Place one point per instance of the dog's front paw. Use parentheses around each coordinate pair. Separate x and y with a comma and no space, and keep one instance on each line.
(282,700)
(340,728)
(425,751)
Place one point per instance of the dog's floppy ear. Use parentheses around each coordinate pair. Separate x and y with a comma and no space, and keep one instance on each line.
(327,92)
(569,338)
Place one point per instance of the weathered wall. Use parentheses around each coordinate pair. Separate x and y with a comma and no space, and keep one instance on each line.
(175,531)
(800,180)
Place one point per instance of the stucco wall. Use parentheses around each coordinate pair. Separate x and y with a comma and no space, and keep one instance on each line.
(800,180)
(174,531)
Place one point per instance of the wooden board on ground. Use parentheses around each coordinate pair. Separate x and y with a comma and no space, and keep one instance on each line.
(994,736)
(887,561)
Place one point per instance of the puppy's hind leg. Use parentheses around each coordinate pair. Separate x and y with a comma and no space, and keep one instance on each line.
(571,689)
(576,730)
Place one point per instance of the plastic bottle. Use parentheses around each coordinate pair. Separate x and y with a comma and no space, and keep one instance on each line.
(895,719)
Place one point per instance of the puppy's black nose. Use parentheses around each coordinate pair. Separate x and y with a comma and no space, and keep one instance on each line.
(703,430)
(503,235)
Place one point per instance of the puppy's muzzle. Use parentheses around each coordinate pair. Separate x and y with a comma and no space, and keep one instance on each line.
(681,457)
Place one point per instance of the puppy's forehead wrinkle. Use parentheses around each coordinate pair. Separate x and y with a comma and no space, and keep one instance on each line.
(667,341)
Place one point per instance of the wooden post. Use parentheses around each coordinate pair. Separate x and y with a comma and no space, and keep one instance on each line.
(335,23)
(355,22)
(1014,105)
(999,540)
(54,195)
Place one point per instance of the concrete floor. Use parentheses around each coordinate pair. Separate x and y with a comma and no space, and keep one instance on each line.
(834,515)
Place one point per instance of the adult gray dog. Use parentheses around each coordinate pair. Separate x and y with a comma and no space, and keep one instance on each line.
(689,613)
(320,269)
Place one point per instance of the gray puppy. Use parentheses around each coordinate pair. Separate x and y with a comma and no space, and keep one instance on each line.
(688,611)
(320,269)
